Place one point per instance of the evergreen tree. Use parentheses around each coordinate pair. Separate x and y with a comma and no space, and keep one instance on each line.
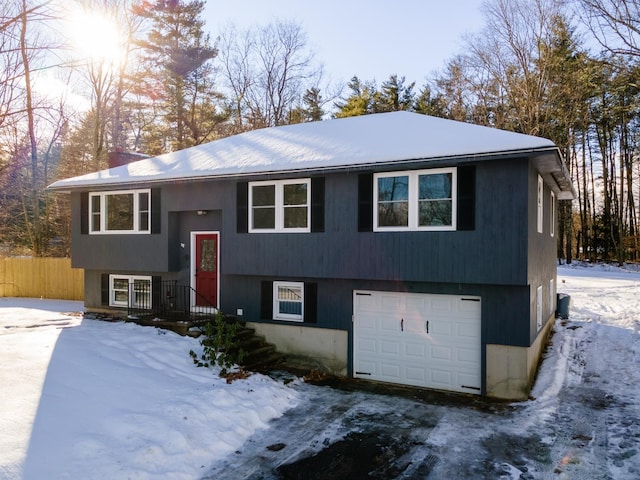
(313,101)
(178,56)
(427,104)
(311,109)
(394,95)
(359,102)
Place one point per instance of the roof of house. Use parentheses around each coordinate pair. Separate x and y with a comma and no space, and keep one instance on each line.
(378,139)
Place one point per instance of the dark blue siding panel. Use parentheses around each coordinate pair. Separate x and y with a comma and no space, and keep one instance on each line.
(504,308)
(496,260)
(494,253)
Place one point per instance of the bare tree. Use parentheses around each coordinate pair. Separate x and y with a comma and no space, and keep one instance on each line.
(615,24)
(267,70)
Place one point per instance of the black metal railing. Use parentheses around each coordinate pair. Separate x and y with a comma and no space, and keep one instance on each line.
(166,300)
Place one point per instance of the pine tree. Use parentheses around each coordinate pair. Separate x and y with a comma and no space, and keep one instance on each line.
(178,55)
(312,100)
(427,104)
(394,95)
(360,102)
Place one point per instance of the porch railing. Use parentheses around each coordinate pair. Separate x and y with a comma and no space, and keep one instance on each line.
(166,300)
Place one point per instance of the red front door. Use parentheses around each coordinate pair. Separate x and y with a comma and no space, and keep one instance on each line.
(206,269)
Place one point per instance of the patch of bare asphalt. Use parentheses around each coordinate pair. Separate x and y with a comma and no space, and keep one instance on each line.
(349,431)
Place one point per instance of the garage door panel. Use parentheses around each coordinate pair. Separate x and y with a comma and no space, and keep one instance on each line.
(415,374)
(367,345)
(390,303)
(390,325)
(441,353)
(391,342)
(416,304)
(441,377)
(391,370)
(467,355)
(416,350)
(390,348)
(440,328)
(367,322)
(441,304)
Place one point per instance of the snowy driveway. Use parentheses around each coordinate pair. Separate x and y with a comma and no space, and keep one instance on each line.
(94,400)
(582,422)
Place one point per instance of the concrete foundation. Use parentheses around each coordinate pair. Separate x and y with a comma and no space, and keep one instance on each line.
(326,346)
(511,370)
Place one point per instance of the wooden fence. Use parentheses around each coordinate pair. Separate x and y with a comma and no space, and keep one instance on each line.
(41,278)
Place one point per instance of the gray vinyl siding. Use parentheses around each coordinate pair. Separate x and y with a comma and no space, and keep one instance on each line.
(541,253)
(499,260)
(489,254)
(116,252)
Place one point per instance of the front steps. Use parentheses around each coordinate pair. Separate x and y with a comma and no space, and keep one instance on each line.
(259,355)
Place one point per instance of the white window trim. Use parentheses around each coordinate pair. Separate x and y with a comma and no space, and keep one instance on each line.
(130,278)
(540,209)
(552,222)
(276,311)
(413,200)
(539,308)
(279,206)
(103,212)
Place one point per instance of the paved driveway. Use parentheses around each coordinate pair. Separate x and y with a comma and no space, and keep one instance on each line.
(584,424)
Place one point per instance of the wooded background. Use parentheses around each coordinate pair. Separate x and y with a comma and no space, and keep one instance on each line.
(561,69)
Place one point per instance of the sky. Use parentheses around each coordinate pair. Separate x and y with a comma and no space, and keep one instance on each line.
(372,39)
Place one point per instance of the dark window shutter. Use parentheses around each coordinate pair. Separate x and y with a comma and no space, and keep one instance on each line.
(156,210)
(466,198)
(317,204)
(365,202)
(104,289)
(156,291)
(310,302)
(266,300)
(242,207)
(84,213)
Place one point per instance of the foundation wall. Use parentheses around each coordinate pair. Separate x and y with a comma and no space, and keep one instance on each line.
(326,346)
(511,370)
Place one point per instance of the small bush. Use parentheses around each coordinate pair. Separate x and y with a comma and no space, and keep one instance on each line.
(220,345)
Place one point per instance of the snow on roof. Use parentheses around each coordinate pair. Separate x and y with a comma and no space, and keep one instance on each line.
(338,143)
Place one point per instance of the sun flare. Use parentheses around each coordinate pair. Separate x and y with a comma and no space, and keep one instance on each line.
(96,36)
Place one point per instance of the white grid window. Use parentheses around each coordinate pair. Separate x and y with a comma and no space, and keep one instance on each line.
(415,200)
(123,287)
(125,211)
(280,206)
(288,301)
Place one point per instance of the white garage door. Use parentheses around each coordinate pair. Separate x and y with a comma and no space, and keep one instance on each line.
(416,339)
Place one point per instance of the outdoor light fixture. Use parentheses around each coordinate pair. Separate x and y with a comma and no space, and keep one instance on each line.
(201,212)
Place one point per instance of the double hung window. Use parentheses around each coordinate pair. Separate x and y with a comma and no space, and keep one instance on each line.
(415,200)
(288,301)
(539,213)
(127,211)
(552,214)
(280,206)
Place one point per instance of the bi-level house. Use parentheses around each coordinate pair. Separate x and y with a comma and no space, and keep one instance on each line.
(393,247)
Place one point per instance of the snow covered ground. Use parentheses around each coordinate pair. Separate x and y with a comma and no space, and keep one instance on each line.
(89,399)
(95,400)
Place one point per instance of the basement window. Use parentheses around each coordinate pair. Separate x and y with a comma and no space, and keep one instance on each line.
(124,287)
(288,301)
